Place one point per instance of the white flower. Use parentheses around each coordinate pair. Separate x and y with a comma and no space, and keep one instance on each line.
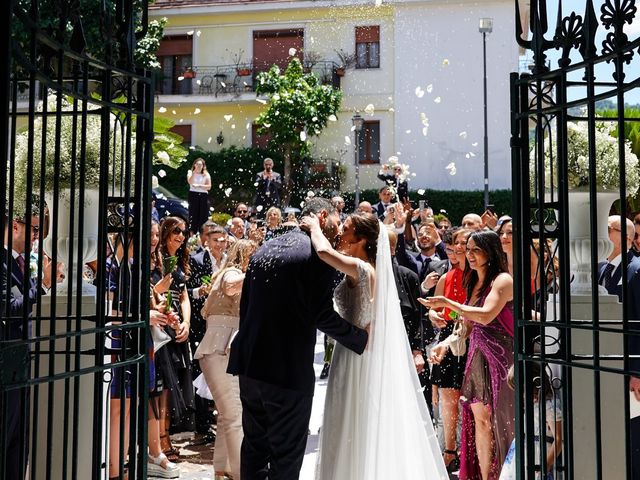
(303,136)
(163,156)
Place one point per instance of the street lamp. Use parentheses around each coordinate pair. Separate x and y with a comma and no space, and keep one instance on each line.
(358,123)
(485,27)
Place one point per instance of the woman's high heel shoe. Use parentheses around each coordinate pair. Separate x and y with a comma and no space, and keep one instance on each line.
(454,464)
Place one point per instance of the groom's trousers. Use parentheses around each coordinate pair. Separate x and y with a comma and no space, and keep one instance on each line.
(275,421)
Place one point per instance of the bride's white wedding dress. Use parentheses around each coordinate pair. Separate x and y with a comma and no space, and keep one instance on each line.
(376,422)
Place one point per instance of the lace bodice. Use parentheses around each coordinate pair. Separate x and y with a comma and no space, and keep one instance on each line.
(355,304)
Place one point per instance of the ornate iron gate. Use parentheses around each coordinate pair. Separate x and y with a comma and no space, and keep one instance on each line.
(76,128)
(566,150)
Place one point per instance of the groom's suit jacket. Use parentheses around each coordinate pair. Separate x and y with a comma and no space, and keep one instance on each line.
(286,296)
(11,328)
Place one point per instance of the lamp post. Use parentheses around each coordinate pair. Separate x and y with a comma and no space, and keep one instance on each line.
(358,123)
(485,27)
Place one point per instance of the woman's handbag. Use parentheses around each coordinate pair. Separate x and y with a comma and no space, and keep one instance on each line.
(159,336)
(457,341)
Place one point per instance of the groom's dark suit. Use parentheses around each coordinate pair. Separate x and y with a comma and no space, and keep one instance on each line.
(286,296)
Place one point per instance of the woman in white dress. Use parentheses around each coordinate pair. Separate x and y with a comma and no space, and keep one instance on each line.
(376,422)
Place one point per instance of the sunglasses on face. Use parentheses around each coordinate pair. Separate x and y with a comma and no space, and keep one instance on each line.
(34,228)
(178,231)
(241,211)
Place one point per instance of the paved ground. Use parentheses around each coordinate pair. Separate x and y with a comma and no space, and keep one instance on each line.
(197,461)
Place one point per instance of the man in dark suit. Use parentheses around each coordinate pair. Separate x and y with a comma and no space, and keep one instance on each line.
(610,272)
(384,194)
(269,184)
(431,249)
(633,314)
(438,268)
(203,263)
(23,292)
(396,181)
(273,351)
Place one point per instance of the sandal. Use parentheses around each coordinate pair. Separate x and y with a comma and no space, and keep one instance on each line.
(454,464)
(161,467)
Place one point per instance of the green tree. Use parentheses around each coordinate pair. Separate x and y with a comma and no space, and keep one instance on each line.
(299,108)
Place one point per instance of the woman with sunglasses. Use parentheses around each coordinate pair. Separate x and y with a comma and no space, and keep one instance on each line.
(488,413)
(173,364)
(448,370)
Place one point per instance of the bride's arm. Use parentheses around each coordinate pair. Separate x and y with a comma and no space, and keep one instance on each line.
(344,263)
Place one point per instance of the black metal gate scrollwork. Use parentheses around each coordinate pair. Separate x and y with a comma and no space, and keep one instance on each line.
(571,160)
(76,128)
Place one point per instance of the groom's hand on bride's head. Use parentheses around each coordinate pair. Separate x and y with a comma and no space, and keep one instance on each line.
(308,222)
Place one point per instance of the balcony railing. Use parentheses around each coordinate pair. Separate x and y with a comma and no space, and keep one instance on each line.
(231,79)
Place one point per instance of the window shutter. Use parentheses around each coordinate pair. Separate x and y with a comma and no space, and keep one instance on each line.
(369,34)
(176,45)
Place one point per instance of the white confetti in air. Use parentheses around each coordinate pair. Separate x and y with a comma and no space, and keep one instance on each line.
(185,204)
(241,169)
(209,139)
(353,128)
(413,174)
(259,208)
(221,185)
(228,191)
(211,209)
(347,140)
(163,156)
(190,32)
(174,112)
(224,85)
(378,3)
(180,78)
(445,62)
(452,171)
(407,131)
(192,147)
(292,52)
(467,156)
(162,110)
(430,88)
(393,159)
(233,126)
(181,120)
(424,119)
(261,100)
(196,111)
(425,130)
(463,134)
(451,165)
(303,136)
(369,109)
(198,33)
(471,154)
(332,118)
(248,125)
(228,117)
(301,204)
(198,82)
(474,144)
(392,109)
(314,119)
(267,125)
(162,173)
(419,92)
(437,100)
(255,184)
(310,194)
(421,191)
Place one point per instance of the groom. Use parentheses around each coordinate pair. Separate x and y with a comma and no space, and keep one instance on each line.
(287,294)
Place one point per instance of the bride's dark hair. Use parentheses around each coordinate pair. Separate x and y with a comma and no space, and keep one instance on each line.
(367,226)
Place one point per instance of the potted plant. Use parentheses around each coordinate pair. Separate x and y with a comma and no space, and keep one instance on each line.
(346,60)
(189,72)
(311,58)
(242,69)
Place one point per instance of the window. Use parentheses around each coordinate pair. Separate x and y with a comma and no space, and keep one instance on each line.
(369,142)
(175,56)
(271,47)
(368,47)
(184,131)
(257,140)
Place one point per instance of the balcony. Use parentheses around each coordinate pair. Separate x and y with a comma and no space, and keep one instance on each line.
(226,83)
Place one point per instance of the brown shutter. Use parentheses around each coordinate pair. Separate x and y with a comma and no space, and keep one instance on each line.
(176,45)
(272,47)
(369,34)
(184,131)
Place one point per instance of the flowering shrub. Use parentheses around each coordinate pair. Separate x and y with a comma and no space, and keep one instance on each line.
(65,168)
(607,162)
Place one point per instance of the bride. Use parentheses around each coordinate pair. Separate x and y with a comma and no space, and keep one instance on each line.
(376,422)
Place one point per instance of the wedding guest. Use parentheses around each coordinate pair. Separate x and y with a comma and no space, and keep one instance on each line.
(269,184)
(364,207)
(236,229)
(636,238)
(385,197)
(274,221)
(222,310)
(472,221)
(173,361)
(199,185)
(396,180)
(430,247)
(447,375)
(338,202)
(505,232)
(610,272)
(488,414)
